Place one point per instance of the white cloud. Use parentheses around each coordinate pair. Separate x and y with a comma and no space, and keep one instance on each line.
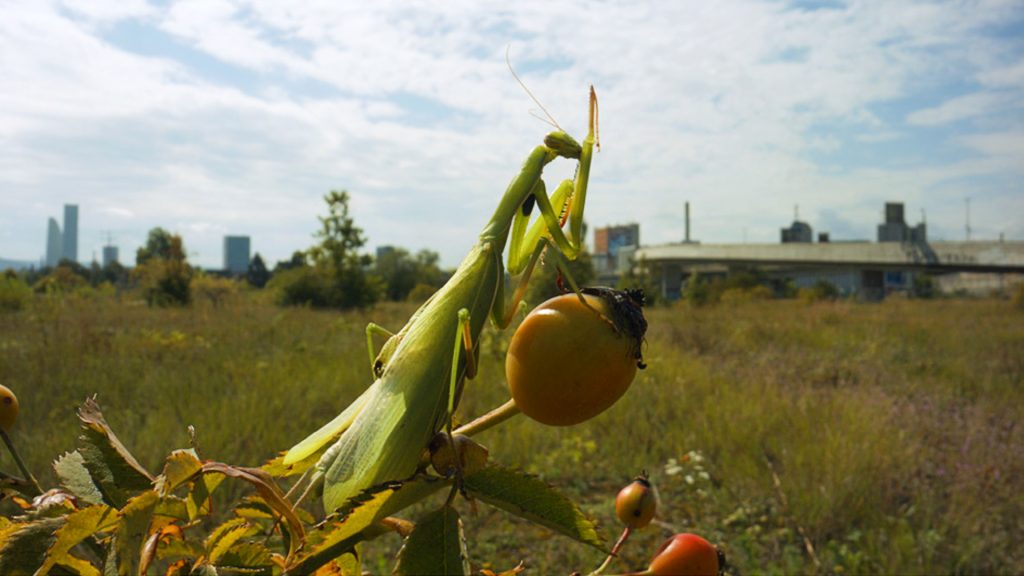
(962,107)
(410,106)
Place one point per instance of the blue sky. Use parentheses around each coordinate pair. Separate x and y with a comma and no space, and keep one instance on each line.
(217,117)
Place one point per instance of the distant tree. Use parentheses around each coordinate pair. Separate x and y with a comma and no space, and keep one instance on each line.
(213,289)
(115,273)
(158,245)
(338,276)
(823,290)
(75,268)
(165,275)
(257,275)
(695,290)
(923,286)
(297,260)
(15,294)
(420,293)
(401,272)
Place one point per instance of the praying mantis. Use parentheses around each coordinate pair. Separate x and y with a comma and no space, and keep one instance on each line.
(420,371)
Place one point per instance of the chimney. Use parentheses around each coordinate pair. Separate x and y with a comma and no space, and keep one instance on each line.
(687,222)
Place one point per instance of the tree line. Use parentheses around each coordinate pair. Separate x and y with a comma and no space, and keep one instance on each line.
(333,273)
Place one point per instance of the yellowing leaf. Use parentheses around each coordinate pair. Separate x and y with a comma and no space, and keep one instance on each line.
(180,467)
(335,538)
(78,526)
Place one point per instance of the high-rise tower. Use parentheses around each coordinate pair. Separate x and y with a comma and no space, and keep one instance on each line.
(54,244)
(70,243)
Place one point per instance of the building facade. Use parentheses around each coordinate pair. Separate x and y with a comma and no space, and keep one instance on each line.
(236,254)
(609,242)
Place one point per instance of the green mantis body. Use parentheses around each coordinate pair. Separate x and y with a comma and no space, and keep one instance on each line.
(382,435)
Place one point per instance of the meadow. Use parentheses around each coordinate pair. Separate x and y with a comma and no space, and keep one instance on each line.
(830,437)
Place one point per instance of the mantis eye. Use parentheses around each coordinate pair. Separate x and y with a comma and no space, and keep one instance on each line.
(528,204)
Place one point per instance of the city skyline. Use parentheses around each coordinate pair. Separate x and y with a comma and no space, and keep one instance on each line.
(209,118)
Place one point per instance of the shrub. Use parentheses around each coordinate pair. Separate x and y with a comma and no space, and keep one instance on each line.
(823,290)
(14,293)
(421,292)
(214,290)
(1017,296)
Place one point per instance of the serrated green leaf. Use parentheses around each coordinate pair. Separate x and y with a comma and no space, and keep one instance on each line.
(187,549)
(75,478)
(335,538)
(350,564)
(79,525)
(198,500)
(532,499)
(24,545)
(133,529)
(227,535)
(76,565)
(247,558)
(180,467)
(173,507)
(436,546)
(113,469)
(255,508)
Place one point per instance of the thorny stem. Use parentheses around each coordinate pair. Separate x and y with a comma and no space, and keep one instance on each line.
(20,462)
(489,420)
(614,553)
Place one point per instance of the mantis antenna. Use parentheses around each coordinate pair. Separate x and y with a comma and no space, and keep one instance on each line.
(550,119)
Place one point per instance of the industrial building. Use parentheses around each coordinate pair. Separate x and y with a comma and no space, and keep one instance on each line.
(614,247)
(867,270)
(236,254)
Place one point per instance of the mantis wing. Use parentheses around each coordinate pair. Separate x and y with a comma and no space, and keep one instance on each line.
(327,433)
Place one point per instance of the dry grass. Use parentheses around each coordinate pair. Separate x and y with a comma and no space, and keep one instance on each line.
(893,429)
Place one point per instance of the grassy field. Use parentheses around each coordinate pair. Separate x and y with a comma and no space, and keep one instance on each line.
(828,438)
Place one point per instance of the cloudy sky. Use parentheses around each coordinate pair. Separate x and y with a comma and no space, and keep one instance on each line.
(216,117)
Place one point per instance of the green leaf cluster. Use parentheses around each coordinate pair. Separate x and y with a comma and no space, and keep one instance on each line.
(111,516)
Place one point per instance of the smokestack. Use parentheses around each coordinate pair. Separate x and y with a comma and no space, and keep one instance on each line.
(687,222)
